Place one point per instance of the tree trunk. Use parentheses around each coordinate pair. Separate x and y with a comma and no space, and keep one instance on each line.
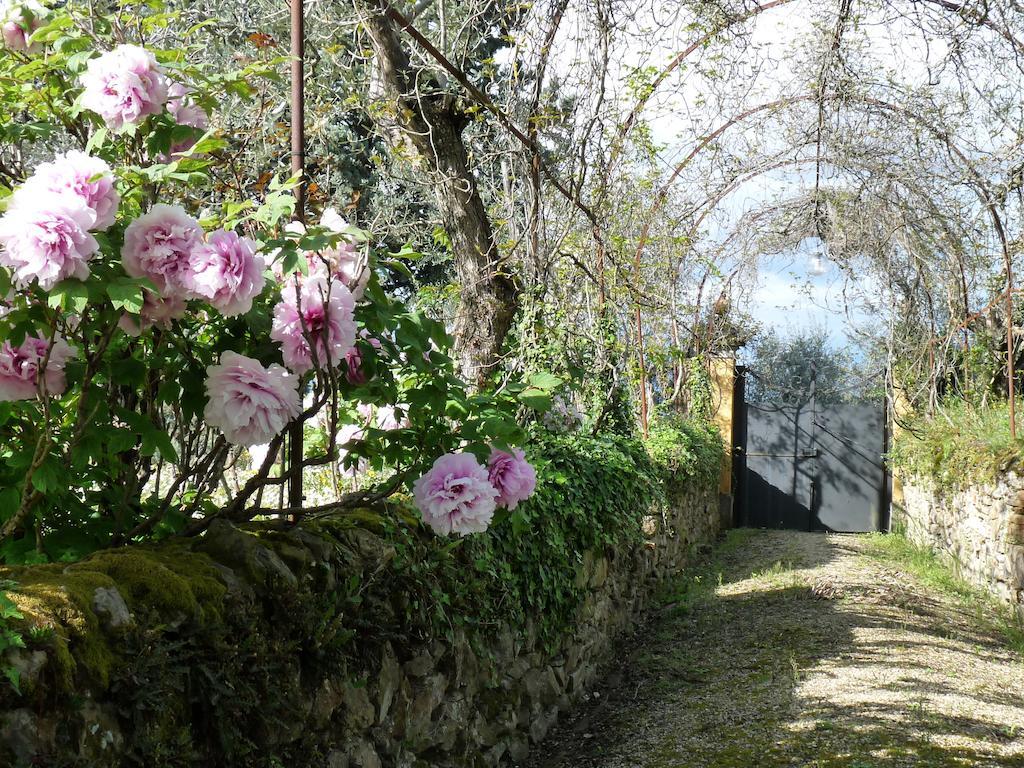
(431,121)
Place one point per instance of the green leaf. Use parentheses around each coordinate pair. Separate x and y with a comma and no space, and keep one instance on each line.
(407,252)
(97,139)
(207,144)
(520,523)
(126,296)
(544,380)
(158,440)
(396,266)
(128,371)
(46,477)
(9,500)
(538,399)
(14,676)
(76,62)
(69,295)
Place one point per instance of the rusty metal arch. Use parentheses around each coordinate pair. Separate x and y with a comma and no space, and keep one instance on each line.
(978,183)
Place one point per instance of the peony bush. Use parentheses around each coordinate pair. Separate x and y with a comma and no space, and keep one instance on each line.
(165,325)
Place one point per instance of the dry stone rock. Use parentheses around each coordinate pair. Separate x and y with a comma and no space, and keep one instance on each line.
(518,748)
(420,665)
(505,651)
(25,736)
(28,665)
(359,712)
(492,756)
(600,573)
(228,544)
(328,697)
(979,529)
(542,724)
(451,724)
(388,681)
(100,741)
(363,755)
(370,548)
(110,608)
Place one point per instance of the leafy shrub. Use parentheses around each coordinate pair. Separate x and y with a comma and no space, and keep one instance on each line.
(592,495)
(686,449)
(210,688)
(10,637)
(178,255)
(961,444)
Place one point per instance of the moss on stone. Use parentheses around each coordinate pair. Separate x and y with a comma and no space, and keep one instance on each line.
(57,598)
(336,526)
(170,580)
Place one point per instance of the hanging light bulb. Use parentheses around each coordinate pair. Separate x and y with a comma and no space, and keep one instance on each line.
(818,267)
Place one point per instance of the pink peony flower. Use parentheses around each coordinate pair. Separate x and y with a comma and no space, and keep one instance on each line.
(258,454)
(159,245)
(350,432)
(386,418)
(124,86)
(349,265)
(343,262)
(7,304)
(250,404)
(47,239)
(323,312)
(354,361)
(227,271)
(455,495)
(183,109)
(156,311)
(512,476)
(18,20)
(20,367)
(79,175)
(333,221)
(185,112)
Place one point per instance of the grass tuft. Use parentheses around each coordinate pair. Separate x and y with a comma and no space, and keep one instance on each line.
(960,445)
(932,571)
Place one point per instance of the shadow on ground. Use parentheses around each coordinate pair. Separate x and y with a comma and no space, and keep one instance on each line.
(795,649)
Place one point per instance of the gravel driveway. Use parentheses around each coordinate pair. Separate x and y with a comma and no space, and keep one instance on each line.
(798,649)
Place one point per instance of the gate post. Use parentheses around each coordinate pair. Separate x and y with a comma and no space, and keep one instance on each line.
(899,408)
(722,372)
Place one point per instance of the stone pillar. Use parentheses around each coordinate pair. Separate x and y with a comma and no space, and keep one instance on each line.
(900,409)
(723,392)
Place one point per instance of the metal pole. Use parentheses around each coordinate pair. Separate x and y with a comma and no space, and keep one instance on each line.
(813,448)
(1009,347)
(643,370)
(298,167)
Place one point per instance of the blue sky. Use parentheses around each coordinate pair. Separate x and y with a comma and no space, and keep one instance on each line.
(788,298)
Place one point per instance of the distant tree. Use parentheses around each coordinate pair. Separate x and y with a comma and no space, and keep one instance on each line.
(784,369)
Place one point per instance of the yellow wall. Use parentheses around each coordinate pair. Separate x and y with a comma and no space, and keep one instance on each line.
(900,410)
(723,390)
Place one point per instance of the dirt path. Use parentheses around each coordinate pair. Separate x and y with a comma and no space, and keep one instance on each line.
(796,649)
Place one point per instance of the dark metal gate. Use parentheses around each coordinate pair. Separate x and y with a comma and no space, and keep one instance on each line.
(812,467)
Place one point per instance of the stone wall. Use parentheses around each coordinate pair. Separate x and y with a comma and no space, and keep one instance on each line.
(980,530)
(130,700)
